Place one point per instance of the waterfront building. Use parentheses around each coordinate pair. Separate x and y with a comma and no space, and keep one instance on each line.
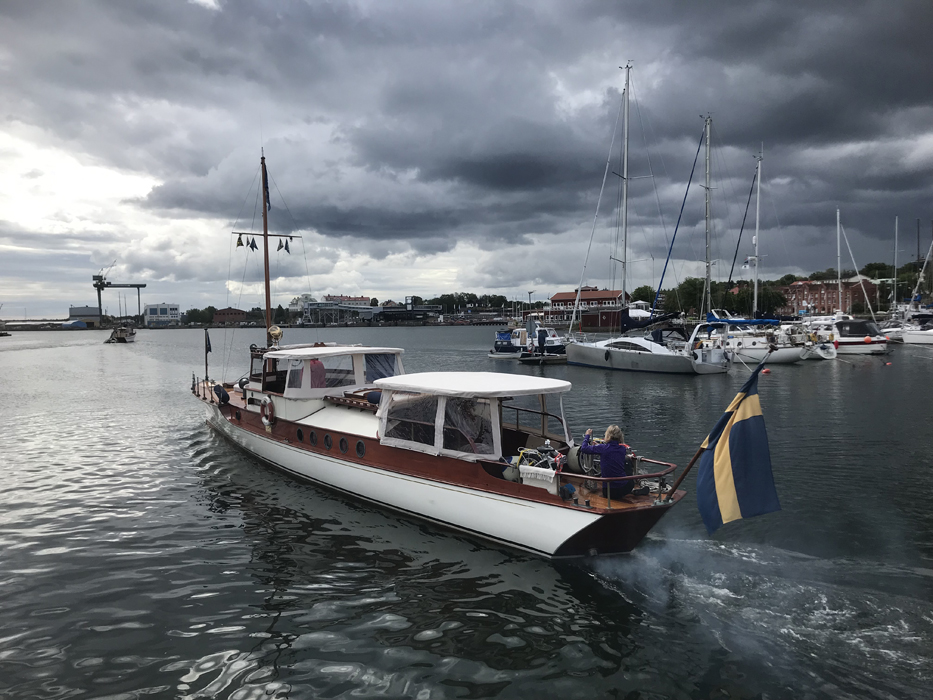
(160,315)
(228,316)
(822,297)
(89,315)
(591,299)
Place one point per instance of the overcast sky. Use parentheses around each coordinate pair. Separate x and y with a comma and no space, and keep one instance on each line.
(431,147)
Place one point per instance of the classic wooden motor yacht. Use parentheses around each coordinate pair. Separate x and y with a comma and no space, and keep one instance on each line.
(481,452)
(484,453)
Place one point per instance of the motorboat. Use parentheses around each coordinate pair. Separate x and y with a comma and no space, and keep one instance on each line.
(850,336)
(511,344)
(481,452)
(122,334)
(503,347)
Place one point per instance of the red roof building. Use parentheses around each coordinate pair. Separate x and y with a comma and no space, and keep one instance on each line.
(591,298)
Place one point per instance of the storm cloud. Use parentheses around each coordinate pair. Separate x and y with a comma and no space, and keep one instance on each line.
(428,147)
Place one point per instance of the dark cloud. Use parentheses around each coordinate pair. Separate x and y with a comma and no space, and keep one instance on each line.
(415,127)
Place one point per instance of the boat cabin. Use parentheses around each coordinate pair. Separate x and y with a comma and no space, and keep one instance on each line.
(313,372)
(471,415)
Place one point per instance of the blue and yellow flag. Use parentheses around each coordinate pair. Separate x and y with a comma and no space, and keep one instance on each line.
(734,479)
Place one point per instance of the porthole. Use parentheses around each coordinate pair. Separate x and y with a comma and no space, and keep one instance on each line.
(344,445)
(312,437)
(301,436)
(328,442)
(360,448)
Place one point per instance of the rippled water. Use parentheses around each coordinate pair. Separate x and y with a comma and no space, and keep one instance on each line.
(142,556)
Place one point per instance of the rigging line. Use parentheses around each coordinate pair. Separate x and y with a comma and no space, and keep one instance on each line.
(751,191)
(230,266)
(654,183)
(674,237)
(780,228)
(599,199)
(243,278)
(860,280)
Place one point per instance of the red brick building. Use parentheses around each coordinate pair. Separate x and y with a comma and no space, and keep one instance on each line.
(229,315)
(591,299)
(823,297)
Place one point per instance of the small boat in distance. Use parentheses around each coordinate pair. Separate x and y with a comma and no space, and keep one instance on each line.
(511,344)
(122,334)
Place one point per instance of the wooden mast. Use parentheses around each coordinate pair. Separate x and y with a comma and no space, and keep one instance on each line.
(265,247)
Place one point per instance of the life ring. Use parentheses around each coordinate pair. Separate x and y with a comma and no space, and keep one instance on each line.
(267,411)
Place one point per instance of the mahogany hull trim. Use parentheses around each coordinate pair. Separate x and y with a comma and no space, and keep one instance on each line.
(536,527)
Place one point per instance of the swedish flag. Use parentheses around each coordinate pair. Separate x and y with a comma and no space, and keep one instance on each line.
(734,479)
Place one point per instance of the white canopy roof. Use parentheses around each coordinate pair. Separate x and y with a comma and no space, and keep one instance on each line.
(314,353)
(473,384)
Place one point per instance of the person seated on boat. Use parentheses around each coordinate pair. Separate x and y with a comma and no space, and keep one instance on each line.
(611,460)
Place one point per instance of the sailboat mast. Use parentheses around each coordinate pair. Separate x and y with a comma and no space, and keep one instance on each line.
(757,220)
(708,300)
(839,258)
(894,287)
(265,247)
(625,98)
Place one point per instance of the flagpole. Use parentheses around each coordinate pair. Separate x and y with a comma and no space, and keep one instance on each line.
(265,247)
(207,345)
(670,494)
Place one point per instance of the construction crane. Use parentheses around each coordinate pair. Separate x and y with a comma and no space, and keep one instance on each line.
(101,283)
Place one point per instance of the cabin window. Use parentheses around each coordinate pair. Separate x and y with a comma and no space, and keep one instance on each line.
(468,426)
(295,372)
(411,418)
(626,345)
(274,376)
(255,369)
(379,366)
(338,371)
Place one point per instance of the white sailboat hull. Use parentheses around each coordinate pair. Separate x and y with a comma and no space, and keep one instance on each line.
(781,356)
(536,527)
(918,337)
(628,360)
(850,346)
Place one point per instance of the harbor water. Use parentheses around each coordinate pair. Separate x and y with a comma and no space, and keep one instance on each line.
(142,556)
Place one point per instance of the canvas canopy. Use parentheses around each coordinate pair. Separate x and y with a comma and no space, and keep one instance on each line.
(316,353)
(473,384)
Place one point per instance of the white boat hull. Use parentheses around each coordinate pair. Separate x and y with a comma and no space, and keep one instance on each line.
(628,360)
(536,527)
(781,356)
(918,337)
(851,346)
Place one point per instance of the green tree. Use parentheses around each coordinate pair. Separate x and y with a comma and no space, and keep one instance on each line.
(374,302)
(644,293)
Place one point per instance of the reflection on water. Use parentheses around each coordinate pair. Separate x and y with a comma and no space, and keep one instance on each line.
(143,555)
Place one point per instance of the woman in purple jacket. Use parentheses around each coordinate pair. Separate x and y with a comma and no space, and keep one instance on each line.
(611,459)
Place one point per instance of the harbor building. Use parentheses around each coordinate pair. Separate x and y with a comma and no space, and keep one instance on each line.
(822,297)
(89,315)
(223,317)
(160,315)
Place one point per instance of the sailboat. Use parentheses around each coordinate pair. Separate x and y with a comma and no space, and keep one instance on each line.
(752,340)
(483,453)
(850,336)
(700,353)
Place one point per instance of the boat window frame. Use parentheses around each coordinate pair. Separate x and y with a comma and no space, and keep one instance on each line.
(438,449)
